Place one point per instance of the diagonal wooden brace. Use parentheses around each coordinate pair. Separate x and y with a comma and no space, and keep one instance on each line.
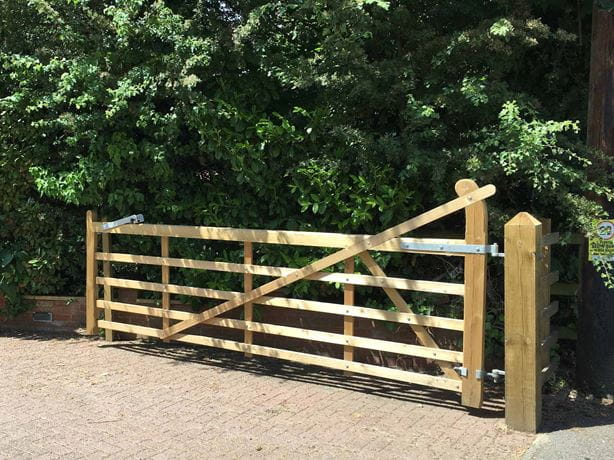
(421,332)
(339,256)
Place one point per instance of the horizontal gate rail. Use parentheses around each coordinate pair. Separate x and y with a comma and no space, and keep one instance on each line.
(443,383)
(173,321)
(436,287)
(285,237)
(296,304)
(298,333)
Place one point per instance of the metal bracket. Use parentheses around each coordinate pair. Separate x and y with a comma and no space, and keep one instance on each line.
(462,371)
(133,219)
(481,249)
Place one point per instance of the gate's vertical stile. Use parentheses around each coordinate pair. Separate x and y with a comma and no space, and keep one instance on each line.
(248,285)
(91,289)
(106,272)
(523,275)
(348,321)
(476,232)
(166,279)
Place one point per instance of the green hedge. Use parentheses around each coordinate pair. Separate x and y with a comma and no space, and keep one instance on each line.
(345,116)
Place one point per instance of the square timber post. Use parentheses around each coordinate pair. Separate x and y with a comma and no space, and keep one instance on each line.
(523,270)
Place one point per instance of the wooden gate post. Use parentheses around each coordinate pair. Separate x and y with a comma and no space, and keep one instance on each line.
(91,320)
(523,273)
(474,309)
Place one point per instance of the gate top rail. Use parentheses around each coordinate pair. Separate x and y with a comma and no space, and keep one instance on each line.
(289,237)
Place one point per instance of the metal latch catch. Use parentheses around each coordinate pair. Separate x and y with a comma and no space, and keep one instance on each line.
(496,375)
(133,219)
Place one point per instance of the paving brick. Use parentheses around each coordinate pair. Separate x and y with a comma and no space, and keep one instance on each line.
(77,397)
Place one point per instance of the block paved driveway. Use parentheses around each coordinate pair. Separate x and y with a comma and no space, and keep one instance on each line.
(77,397)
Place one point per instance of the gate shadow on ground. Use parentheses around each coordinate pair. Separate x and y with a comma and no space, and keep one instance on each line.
(560,412)
(287,370)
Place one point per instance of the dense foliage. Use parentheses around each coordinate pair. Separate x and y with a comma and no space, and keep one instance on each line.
(344,115)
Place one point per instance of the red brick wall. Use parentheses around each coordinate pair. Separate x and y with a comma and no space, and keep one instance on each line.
(67,314)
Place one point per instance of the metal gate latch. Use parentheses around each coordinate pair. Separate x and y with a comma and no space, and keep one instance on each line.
(496,375)
(133,219)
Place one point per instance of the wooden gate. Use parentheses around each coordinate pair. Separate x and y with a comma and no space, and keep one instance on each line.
(461,370)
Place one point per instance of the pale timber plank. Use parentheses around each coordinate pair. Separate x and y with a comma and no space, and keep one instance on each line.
(304,358)
(436,287)
(297,304)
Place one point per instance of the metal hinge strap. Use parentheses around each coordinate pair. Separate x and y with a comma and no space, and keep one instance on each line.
(481,249)
(133,219)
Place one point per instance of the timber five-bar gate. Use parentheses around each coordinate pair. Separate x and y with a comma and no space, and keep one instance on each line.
(527,281)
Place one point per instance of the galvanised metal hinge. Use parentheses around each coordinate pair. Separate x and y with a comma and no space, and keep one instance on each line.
(491,249)
(133,219)
(462,371)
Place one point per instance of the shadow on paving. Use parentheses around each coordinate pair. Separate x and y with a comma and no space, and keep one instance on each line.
(287,370)
(563,413)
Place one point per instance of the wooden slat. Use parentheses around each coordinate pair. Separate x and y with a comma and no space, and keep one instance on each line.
(549,341)
(144,310)
(476,232)
(421,333)
(91,289)
(551,278)
(546,345)
(303,358)
(523,244)
(565,289)
(298,333)
(355,279)
(341,339)
(294,238)
(550,310)
(166,279)
(548,371)
(297,304)
(248,285)
(348,321)
(106,271)
(551,238)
